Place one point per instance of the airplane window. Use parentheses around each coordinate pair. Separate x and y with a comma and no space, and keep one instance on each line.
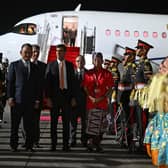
(108,32)
(136,33)
(145,34)
(26,29)
(22,30)
(117,32)
(164,35)
(127,33)
(31,29)
(155,34)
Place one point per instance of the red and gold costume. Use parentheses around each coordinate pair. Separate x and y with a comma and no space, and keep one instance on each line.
(98,82)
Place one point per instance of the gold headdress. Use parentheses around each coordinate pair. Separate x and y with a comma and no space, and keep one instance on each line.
(158,93)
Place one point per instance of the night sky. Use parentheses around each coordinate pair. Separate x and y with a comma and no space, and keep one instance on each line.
(12,11)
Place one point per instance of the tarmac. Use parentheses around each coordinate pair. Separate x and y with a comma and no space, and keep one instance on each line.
(113,156)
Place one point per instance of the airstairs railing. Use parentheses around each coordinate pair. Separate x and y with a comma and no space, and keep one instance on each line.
(43,42)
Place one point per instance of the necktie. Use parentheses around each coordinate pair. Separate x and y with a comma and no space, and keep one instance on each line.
(80,76)
(61,75)
(27,69)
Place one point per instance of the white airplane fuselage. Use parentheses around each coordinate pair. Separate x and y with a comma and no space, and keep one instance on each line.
(106,29)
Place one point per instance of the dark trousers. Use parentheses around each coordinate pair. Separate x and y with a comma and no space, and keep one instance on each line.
(1,114)
(142,116)
(61,105)
(37,126)
(2,106)
(18,112)
(78,112)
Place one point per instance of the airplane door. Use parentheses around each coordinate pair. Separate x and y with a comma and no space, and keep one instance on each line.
(88,40)
(69,30)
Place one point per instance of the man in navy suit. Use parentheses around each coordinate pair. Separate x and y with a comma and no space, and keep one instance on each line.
(80,109)
(60,98)
(23,96)
(41,67)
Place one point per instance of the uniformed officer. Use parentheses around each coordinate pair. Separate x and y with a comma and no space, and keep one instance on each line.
(144,72)
(144,68)
(114,69)
(106,64)
(125,85)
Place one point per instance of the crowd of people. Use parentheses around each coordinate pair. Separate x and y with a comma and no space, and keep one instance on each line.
(128,91)
(91,94)
(143,97)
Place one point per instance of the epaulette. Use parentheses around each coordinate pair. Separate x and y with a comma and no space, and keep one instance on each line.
(113,96)
(129,63)
(133,65)
(146,60)
(113,69)
(132,95)
(141,60)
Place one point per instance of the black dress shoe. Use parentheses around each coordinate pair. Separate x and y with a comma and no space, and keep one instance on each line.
(14,150)
(24,146)
(73,144)
(89,146)
(89,149)
(99,148)
(30,150)
(37,146)
(53,148)
(84,144)
(66,148)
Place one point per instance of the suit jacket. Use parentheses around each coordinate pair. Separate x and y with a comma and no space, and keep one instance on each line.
(80,94)
(42,67)
(52,80)
(41,70)
(23,88)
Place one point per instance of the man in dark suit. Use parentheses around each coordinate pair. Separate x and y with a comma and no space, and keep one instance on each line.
(59,93)
(80,109)
(23,96)
(41,68)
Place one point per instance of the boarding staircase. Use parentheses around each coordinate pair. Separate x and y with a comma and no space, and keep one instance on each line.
(44,41)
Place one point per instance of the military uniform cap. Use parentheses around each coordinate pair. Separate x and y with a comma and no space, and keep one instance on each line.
(129,51)
(143,44)
(97,54)
(115,60)
(107,62)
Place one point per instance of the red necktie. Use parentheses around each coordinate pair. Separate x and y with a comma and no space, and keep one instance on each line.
(61,75)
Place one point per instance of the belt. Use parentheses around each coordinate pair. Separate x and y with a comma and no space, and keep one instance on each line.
(139,85)
(124,87)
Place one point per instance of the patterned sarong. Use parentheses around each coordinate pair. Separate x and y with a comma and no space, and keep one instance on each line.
(96,122)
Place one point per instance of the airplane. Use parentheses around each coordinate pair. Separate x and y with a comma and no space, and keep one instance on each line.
(95,31)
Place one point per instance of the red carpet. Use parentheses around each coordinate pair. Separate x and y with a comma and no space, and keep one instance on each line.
(47,118)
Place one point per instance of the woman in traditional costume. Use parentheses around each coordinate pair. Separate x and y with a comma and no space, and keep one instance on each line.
(156,135)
